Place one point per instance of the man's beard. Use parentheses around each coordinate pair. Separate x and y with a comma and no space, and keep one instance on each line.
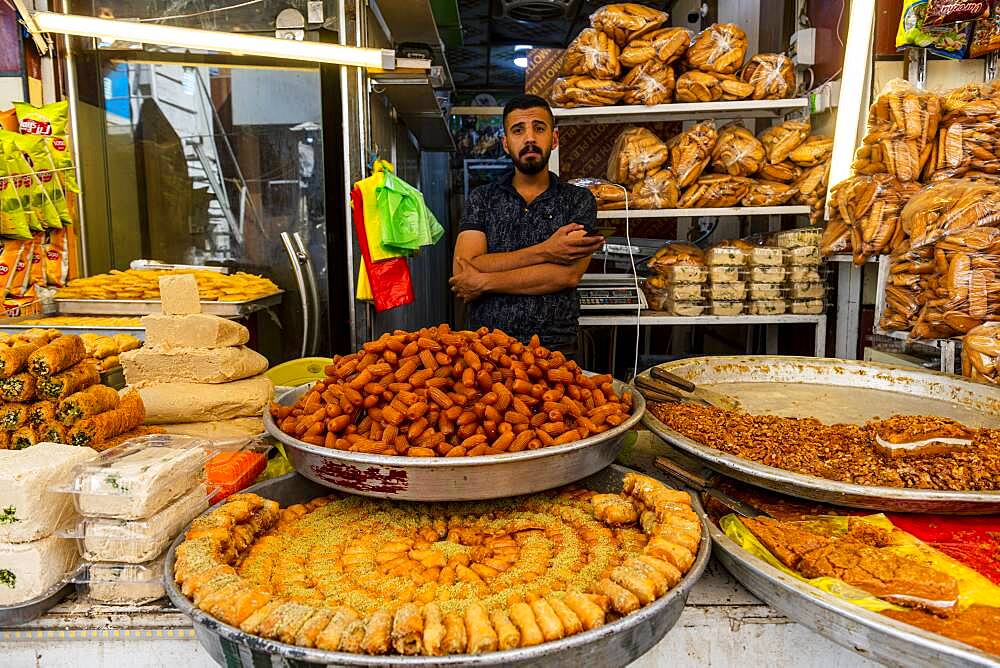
(540,163)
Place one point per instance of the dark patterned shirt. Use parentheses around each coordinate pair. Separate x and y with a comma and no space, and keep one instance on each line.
(510,224)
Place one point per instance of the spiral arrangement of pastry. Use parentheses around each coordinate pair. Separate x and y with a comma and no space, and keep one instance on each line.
(367,576)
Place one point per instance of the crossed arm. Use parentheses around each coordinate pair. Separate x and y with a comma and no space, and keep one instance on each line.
(553,265)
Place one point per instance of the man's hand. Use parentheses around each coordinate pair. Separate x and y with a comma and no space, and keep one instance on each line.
(467,282)
(571,243)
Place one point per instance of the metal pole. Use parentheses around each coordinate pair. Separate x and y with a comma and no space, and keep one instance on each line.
(74,123)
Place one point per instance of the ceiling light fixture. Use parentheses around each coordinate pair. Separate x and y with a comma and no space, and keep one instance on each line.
(523,47)
(213,40)
(521,62)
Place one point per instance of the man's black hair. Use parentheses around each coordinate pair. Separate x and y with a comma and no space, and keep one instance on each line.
(519,102)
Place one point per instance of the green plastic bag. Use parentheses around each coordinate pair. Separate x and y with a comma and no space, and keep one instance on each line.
(13,219)
(407,222)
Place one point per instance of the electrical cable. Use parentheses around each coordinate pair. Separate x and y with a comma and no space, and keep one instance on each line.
(635,278)
(214,10)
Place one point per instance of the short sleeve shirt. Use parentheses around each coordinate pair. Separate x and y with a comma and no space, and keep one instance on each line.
(510,224)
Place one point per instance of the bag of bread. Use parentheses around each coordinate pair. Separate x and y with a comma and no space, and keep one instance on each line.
(695,86)
(582,91)
(904,120)
(715,190)
(734,88)
(907,288)
(592,54)
(719,48)
(691,151)
(665,45)
(783,172)
(871,206)
(768,193)
(656,191)
(737,152)
(813,151)
(772,76)
(950,206)
(609,196)
(780,140)
(811,191)
(981,353)
(649,83)
(636,153)
(625,22)
(968,132)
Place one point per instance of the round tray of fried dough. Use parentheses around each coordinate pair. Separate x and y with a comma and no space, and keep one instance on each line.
(617,643)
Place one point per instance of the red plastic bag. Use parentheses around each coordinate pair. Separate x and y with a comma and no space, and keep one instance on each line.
(390,279)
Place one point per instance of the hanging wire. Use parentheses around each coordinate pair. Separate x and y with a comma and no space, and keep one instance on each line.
(214,10)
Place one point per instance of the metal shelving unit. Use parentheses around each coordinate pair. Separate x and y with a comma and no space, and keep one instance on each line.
(680,111)
(689,213)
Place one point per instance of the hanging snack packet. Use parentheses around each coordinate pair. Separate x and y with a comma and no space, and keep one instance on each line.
(55,258)
(36,265)
(43,211)
(50,121)
(986,35)
(8,120)
(13,219)
(948,41)
(45,170)
(12,267)
(942,12)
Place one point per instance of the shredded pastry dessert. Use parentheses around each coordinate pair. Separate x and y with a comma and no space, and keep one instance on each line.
(370,576)
(842,452)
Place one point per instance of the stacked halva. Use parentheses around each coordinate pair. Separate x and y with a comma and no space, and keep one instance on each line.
(195,374)
(135,499)
(33,559)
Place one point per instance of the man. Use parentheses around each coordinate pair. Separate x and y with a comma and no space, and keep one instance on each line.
(526,239)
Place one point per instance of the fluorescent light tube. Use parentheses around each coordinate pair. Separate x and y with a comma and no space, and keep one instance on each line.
(850,109)
(213,40)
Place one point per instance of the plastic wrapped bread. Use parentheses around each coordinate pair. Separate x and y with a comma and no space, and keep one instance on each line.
(30,508)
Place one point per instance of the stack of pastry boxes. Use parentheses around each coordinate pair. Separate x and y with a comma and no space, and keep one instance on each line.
(134,500)
(677,286)
(805,277)
(727,286)
(51,392)
(34,558)
(195,375)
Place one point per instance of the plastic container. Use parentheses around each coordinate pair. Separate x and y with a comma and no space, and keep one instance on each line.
(684,273)
(725,274)
(766,291)
(807,256)
(121,584)
(767,274)
(804,274)
(140,477)
(768,307)
(766,256)
(808,306)
(806,290)
(684,308)
(805,236)
(725,256)
(231,472)
(727,308)
(728,292)
(138,541)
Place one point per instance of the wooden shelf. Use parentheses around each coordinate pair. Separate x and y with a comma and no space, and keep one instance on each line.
(694,213)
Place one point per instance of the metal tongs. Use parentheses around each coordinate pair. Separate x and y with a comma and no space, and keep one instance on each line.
(706,486)
(664,386)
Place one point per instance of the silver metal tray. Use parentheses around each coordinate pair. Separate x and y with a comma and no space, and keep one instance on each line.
(146,307)
(837,391)
(616,644)
(876,636)
(16,615)
(453,478)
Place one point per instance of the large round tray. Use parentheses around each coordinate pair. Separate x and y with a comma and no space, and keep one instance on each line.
(851,390)
(875,636)
(454,479)
(616,644)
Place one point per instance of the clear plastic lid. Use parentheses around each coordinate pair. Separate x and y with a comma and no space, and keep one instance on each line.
(768,307)
(735,292)
(767,290)
(139,477)
(767,274)
(726,308)
(684,308)
(805,236)
(119,583)
(805,274)
(803,256)
(138,541)
(725,273)
(766,256)
(726,256)
(684,273)
(230,472)
(808,306)
(807,290)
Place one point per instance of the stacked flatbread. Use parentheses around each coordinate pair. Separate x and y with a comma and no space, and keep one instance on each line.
(195,374)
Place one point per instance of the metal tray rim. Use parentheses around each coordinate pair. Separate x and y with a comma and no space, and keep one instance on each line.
(32,609)
(158,301)
(900,630)
(682,590)
(638,411)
